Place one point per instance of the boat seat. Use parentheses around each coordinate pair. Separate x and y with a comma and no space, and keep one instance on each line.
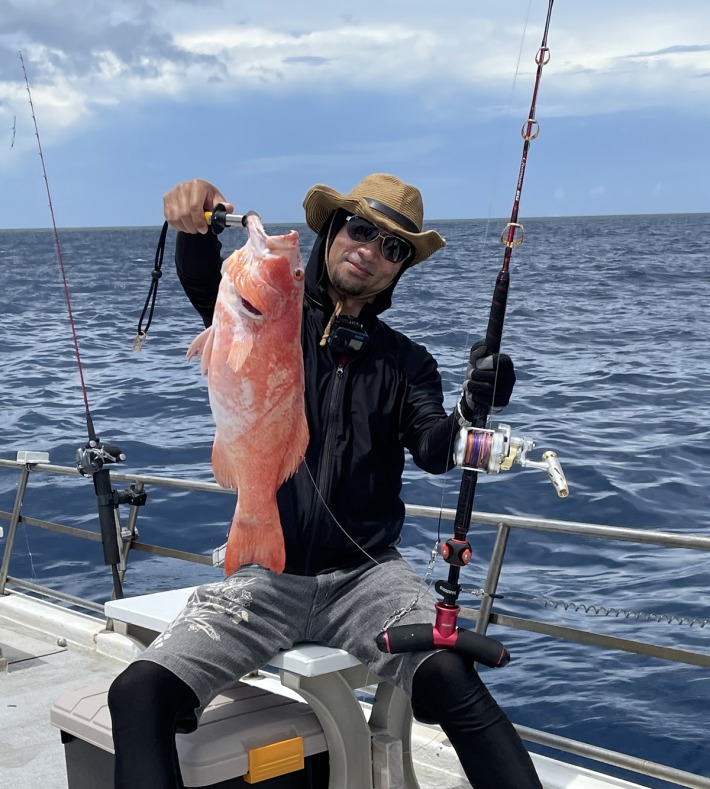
(363,753)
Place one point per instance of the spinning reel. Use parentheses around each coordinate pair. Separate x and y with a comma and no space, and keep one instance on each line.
(497,449)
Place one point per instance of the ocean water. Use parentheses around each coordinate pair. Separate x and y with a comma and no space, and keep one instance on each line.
(608,327)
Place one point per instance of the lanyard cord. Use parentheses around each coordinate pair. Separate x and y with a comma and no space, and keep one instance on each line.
(149,306)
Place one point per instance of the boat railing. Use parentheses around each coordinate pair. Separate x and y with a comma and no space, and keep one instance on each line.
(482,617)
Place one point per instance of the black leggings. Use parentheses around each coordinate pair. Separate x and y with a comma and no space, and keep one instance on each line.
(149,704)
(446,689)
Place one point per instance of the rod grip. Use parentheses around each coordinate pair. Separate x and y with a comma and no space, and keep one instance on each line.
(424,638)
(107,516)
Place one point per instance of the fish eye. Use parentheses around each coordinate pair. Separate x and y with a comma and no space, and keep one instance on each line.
(299,274)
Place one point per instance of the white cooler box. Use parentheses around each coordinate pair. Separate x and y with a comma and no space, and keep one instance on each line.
(246,737)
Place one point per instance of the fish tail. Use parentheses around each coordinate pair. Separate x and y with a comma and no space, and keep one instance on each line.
(256,537)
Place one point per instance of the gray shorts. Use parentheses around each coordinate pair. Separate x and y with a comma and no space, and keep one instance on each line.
(236,625)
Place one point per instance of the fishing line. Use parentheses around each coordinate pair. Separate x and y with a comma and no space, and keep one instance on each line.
(29,549)
(507,115)
(399,613)
(489,218)
(60,258)
(335,520)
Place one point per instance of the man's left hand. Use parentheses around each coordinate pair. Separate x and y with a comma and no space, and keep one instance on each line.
(489,381)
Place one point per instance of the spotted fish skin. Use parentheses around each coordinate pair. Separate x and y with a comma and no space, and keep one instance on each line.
(253,360)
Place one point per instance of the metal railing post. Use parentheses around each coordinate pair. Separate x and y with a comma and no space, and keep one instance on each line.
(12,529)
(491,585)
(129,533)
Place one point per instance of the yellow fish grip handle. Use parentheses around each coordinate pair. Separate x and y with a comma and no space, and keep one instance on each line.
(218,218)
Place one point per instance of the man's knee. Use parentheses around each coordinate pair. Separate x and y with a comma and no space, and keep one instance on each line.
(146,690)
(446,688)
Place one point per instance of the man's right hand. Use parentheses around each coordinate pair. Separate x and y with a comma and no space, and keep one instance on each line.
(185,205)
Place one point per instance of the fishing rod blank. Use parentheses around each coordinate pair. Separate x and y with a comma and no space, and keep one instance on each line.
(475,446)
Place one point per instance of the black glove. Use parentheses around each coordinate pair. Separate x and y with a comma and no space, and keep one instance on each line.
(483,385)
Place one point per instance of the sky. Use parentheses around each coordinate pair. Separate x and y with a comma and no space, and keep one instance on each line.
(265,99)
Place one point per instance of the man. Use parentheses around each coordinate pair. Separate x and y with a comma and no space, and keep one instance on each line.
(370,392)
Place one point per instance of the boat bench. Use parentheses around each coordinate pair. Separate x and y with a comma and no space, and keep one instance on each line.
(246,725)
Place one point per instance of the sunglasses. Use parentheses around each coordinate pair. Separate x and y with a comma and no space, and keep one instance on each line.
(394,249)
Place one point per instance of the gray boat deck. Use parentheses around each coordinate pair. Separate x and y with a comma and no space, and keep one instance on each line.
(38,671)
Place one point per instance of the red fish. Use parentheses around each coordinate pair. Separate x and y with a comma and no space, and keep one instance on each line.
(254,363)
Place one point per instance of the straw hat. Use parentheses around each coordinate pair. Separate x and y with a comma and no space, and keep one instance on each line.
(383,199)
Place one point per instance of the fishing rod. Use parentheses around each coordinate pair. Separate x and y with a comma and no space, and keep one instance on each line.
(92,458)
(480,449)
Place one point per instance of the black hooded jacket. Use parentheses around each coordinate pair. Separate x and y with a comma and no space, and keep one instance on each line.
(361,414)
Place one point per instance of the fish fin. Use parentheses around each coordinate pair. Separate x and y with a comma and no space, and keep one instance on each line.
(239,352)
(256,536)
(296,449)
(222,468)
(202,346)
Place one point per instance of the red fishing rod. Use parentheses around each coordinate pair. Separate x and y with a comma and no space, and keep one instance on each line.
(479,449)
(92,458)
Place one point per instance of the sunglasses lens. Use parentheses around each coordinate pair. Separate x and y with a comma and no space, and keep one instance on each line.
(394,249)
(361,230)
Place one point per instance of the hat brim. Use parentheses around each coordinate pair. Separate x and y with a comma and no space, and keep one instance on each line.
(321,201)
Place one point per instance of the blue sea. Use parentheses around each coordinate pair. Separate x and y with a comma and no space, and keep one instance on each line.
(608,327)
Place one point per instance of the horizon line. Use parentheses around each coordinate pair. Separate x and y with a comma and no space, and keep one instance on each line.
(426,221)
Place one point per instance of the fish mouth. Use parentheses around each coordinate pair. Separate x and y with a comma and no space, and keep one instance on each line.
(248,308)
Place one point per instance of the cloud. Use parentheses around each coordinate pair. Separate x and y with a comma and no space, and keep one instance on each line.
(456,66)
(674,50)
(310,60)
(140,49)
(357,155)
